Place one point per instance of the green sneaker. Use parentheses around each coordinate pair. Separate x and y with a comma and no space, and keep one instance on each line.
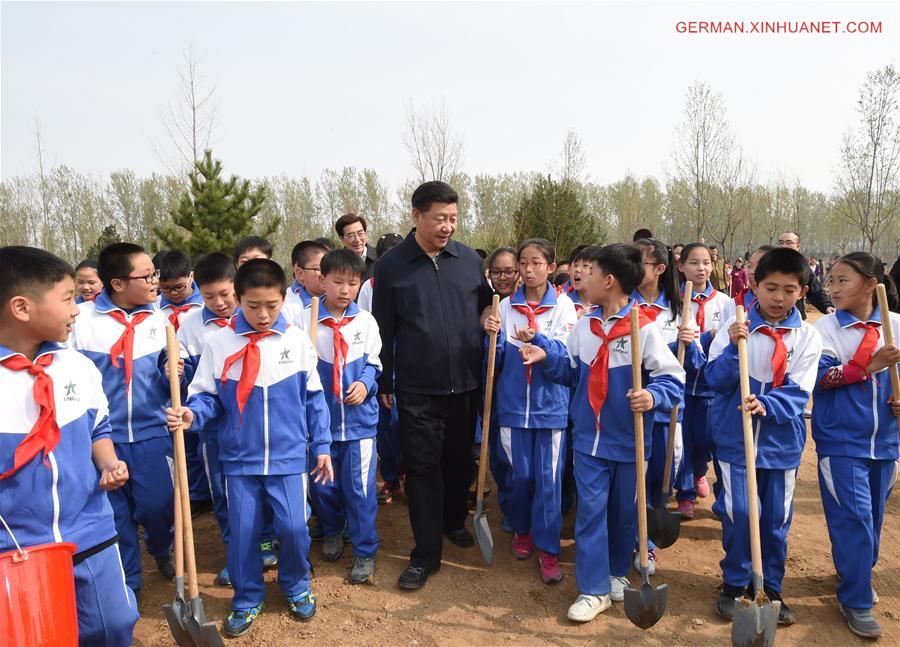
(302,606)
(239,621)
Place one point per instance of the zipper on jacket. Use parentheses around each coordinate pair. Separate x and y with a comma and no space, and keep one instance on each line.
(265,369)
(874,416)
(437,276)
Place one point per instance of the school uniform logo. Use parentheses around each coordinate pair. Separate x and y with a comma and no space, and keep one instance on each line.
(71,393)
(152,333)
(668,324)
(716,315)
(286,357)
(357,337)
(620,345)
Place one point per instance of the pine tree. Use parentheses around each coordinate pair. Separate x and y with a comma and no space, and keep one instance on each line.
(108,236)
(553,210)
(214,214)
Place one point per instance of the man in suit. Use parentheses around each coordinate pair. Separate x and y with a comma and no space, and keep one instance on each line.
(351,229)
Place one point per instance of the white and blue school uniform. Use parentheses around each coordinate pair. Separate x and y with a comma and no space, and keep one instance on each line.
(177,313)
(532,413)
(264,448)
(138,424)
(192,336)
(364,298)
(856,439)
(57,498)
(606,521)
(780,436)
(353,498)
(706,308)
(297,305)
(746,298)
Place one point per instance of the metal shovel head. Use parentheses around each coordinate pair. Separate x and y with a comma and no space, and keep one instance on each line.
(483,535)
(645,606)
(663,526)
(755,622)
(203,632)
(176,613)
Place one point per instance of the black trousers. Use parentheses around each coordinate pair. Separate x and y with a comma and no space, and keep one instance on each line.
(436,437)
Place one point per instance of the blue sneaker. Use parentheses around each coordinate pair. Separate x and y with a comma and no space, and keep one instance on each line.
(302,606)
(223,579)
(239,621)
(505,525)
(269,558)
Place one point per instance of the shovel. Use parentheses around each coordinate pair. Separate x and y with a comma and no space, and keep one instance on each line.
(888,334)
(482,529)
(755,620)
(664,525)
(314,320)
(177,611)
(646,606)
(200,631)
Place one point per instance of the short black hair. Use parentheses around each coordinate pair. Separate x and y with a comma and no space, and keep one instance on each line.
(349,219)
(624,262)
(574,254)
(544,246)
(30,272)
(247,243)
(428,193)
(213,267)
(343,260)
(303,250)
(87,264)
(765,249)
(115,262)
(642,234)
(560,279)
(172,264)
(500,251)
(259,273)
(783,260)
(325,242)
(583,253)
(386,242)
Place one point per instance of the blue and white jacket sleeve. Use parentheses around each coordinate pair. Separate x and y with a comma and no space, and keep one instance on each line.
(203,394)
(564,320)
(102,428)
(666,383)
(372,370)
(722,371)
(318,420)
(563,368)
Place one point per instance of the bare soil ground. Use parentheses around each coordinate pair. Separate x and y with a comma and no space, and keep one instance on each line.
(467,603)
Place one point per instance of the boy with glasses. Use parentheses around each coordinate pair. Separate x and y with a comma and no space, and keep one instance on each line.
(123,335)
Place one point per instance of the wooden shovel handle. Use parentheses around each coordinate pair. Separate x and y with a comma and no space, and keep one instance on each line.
(673,419)
(749,452)
(314,320)
(181,467)
(888,333)
(639,437)
(488,397)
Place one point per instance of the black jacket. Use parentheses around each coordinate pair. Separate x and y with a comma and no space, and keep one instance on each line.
(428,312)
(817,296)
(370,263)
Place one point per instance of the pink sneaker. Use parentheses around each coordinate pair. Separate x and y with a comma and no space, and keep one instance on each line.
(551,573)
(521,545)
(701,486)
(686,508)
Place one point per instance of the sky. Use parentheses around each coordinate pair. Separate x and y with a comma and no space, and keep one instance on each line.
(305,86)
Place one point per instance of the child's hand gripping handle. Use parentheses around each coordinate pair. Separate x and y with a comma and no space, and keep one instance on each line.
(888,332)
(314,320)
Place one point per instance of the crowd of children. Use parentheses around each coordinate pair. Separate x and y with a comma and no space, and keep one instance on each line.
(282,416)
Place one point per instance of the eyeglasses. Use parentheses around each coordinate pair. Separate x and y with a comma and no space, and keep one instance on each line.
(507,274)
(148,278)
(536,264)
(174,289)
(355,236)
(317,270)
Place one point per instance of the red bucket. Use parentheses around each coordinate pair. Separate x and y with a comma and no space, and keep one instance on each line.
(37,597)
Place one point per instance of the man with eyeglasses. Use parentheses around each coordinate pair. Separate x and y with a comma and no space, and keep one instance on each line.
(351,229)
(816,294)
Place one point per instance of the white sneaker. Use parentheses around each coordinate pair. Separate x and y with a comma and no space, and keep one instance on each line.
(587,607)
(618,585)
(651,561)
(874,596)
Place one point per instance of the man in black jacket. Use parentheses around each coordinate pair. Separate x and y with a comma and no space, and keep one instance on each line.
(816,294)
(429,294)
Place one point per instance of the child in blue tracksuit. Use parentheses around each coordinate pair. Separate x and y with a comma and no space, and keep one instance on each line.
(598,365)
(783,356)
(124,335)
(56,456)
(854,426)
(257,386)
(180,297)
(695,264)
(348,345)
(532,411)
(659,298)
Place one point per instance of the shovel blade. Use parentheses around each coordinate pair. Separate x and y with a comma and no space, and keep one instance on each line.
(663,526)
(203,632)
(175,614)
(754,622)
(645,606)
(483,537)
